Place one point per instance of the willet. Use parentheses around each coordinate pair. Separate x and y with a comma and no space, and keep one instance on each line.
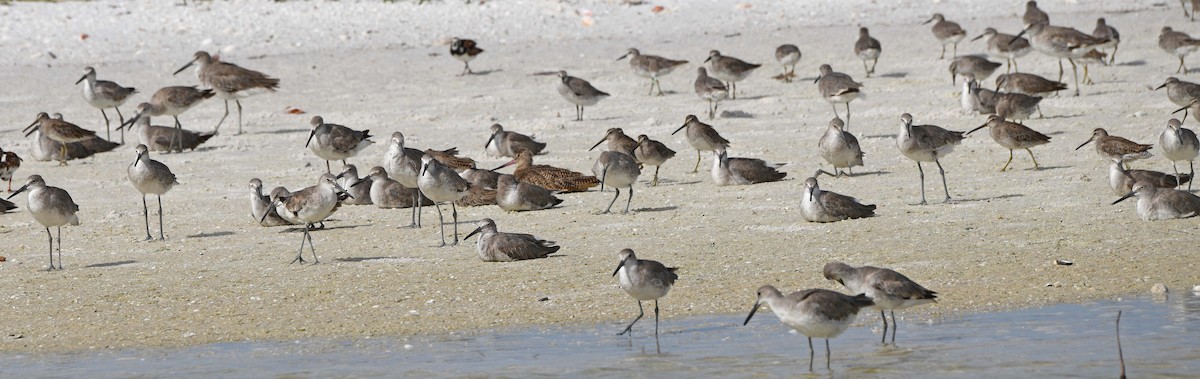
(788,55)
(230,81)
(1162,203)
(813,312)
(840,148)
(617,141)
(740,171)
(101,94)
(494,246)
(1122,180)
(171,101)
(1180,92)
(9,163)
(1061,43)
(1002,45)
(50,206)
(579,92)
(309,206)
(1013,136)
(149,176)
(1180,144)
(926,143)
(644,280)
(464,50)
(504,143)
(1093,57)
(653,153)
(824,206)
(702,137)
(1028,84)
(478,177)
(549,177)
(358,188)
(261,208)
(888,289)
(867,48)
(160,138)
(288,217)
(1034,15)
(711,89)
(60,131)
(616,170)
(978,99)
(730,69)
(1178,44)
(972,67)
(441,184)
(1117,148)
(651,67)
(837,88)
(947,33)
(1103,31)
(44,149)
(387,193)
(1017,107)
(335,142)
(514,196)
(403,164)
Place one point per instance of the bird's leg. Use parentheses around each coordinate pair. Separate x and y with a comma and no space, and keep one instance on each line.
(922,172)
(885,327)
(50,248)
(940,57)
(951,57)
(716,105)
(62,154)
(655,318)
(1192,168)
(1074,75)
(895,327)
(1180,68)
(1015,67)
(835,111)
(873,63)
(239,104)
(732,89)
(454,216)
(222,121)
(415,204)
(441,224)
(146,217)
(122,118)
(107,131)
(300,255)
(1113,58)
(943,172)
(59,247)
(614,200)
(1039,109)
(1008,66)
(629,200)
(828,366)
(697,168)
(1010,158)
(653,182)
(176,140)
(812,354)
(847,115)
(1035,164)
(327,169)
(311,247)
(868,70)
(160,219)
(639,317)
(1087,79)
(1060,69)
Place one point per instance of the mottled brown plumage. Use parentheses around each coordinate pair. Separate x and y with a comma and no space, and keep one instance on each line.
(1122,180)
(617,141)
(1013,136)
(549,177)
(1117,148)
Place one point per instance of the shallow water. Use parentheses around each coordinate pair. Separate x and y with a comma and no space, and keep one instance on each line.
(1160,339)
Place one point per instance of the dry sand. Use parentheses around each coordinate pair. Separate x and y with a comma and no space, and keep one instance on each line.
(384,67)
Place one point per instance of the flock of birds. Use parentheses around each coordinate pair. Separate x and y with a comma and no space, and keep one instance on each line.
(413,178)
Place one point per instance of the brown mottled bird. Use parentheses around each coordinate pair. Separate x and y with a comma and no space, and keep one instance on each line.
(60,131)
(549,177)
(230,81)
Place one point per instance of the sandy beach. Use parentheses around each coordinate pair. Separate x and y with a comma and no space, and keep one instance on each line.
(220,277)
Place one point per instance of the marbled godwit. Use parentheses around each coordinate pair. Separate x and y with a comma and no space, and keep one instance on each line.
(230,81)
(549,177)
(824,206)
(1117,148)
(867,48)
(60,131)
(335,142)
(309,206)
(171,101)
(1180,92)
(494,246)
(617,141)
(1178,44)
(926,143)
(477,197)
(387,193)
(1122,180)
(616,170)
(1061,42)
(813,312)
(1092,57)
(101,94)
(464,50)
(730,69)
(1180,144)
(972,67)
(149,176)
(1103,31)
(978,99)
(50,206)
(788,55)
(837,88)
(889,290)
(740,171)
(644,280)
(514,196)
(840,148)
(947,33)
(711,89)
(160,138)
(1162,203)
(1027,84)
(1013,136)
(653,153)
(260,206)
(441,184)
(1034,15)
(702,137)
(1002,45)
(9,163)
(651,67)
(358,188)
(579,92)
(1018,107)
(504,143)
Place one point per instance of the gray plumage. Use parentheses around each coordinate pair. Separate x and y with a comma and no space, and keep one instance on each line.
(840,148)
(149,176)
(335,142)
(1034,15)
(710,89)
(503,143)
(947,33)
(837,88)
(1007,46)
(51,207)
(261,208)
(652,153)
(867,48)
(788,55)
(495,246)
(1178,44)
(616,170)
(160,138)
(101,94)
(579,92)
(888,289)
(387,193)
(644,280)
(701,137)
(442,184)
(230,81)
(617,141)
(817,205)
(651,67)
(972,67)
(1028,84)
(730,69)
(1122,180)
(926,143)
(358,188)
(741,171)
(516,196)
(1155,203)
(813,312)
(1179,144)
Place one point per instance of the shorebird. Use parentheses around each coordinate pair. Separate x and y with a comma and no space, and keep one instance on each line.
(867,48)
(837,88)
(9,163)
(50,206)
(579,92)
(1018,107)
(387,193)
(308,206)
(617,141)
(972,67)
(946,32)
(464,50)
(978,99)
(358,188)
(477,197)
(477,177)
(1061,42)
(230,81)
(441,184)
(702,137)
(840,148)
(1117,148)
(149,176)
(6,206)
(1103,31)
(788,55)
(289,218)
(1002,45)
(335,142)
(1034,15)
(260,206)
(739,171)
(1122,180)
(651,67)
(813,312)
(403,164)
(44,149)
(549,177)
(1181,93)
(502,143)
(160,138)
(926,143)
(1092,57)
(1178,44)
(644,280)
(711,89)
(101,94)
(653,153)
(60,131)
(1162,203)
(1180,144)
(514,196)
(730,69)
(494,246)
(1013,136)
(1028,84)
(616,170)
(171,101)
(824,206)
(888,289)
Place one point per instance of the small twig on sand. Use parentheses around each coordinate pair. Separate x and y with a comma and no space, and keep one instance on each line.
(1120,354)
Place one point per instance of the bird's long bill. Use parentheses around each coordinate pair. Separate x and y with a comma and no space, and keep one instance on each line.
(424,167)
(619,265)
(510,163)
(1014,39)
(818,78)
(189,64)
(360,181)
(473,232)
(310,137)
(977,38)
(680,128)
(139,157)
(1085,142)
(267,212)
(623,56)
(973,130)
(340,175)
(752,312)
(489,142)
(1185,107)
(927,21)
(81,78)
(708,59)
(598,143)
(19,190)
(810,191)
(339,188)
(1160,87)
(29,131)
(1128,195)
(35,122)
